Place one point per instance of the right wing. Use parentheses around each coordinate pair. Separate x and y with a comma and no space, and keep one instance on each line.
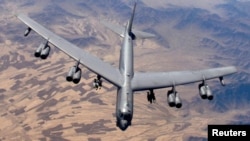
(156,80)
(93,63)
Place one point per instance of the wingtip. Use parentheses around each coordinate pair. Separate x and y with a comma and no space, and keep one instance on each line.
(233,69)
(21,14)
(18,14)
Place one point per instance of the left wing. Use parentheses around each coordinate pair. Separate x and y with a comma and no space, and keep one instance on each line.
(147,81)
(93,63)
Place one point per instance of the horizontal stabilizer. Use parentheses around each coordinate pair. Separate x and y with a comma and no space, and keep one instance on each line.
(141,34)
(118,29)
(115,28)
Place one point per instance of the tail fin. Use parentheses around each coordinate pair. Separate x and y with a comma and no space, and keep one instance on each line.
(130,23)
(120,29)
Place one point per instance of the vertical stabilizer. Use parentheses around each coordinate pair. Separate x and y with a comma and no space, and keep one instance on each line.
(131,19)
(135,34)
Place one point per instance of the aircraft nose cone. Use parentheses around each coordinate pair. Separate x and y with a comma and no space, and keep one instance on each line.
(123,125)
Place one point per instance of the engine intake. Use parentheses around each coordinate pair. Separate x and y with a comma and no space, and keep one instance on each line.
(178,103)
(70,74)
(42,51)
(171,98)
(39,50)
(45,52)
(77,76)
(202,91)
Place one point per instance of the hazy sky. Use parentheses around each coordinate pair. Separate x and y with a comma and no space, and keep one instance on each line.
(204,4)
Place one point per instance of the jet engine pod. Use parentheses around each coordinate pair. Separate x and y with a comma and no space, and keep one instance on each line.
(39,50)
(178,103)
(209,93)
(77,76)
(202,91)
(45,52)
(171,98)
(70,74)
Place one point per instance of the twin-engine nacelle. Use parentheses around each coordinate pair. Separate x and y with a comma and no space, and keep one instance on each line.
(74,75)
(174,99)
(42,51)
(205,91)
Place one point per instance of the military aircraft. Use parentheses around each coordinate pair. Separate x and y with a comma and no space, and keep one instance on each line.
(124,78)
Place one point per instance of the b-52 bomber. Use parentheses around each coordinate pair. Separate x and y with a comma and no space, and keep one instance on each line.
(124,78)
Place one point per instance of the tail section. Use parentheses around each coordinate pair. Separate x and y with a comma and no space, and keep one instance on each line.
(133,32)
(118,29)
(130,23)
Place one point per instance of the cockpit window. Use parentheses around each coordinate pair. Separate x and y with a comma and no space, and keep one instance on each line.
(121,115)
(125,116)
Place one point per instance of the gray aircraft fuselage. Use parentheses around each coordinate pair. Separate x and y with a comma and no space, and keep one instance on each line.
(124,106)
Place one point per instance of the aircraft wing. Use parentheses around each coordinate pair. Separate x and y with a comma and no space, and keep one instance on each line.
(93,63)
(147,81)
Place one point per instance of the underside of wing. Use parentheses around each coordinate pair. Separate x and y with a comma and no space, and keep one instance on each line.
(93,63)
(147,81)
